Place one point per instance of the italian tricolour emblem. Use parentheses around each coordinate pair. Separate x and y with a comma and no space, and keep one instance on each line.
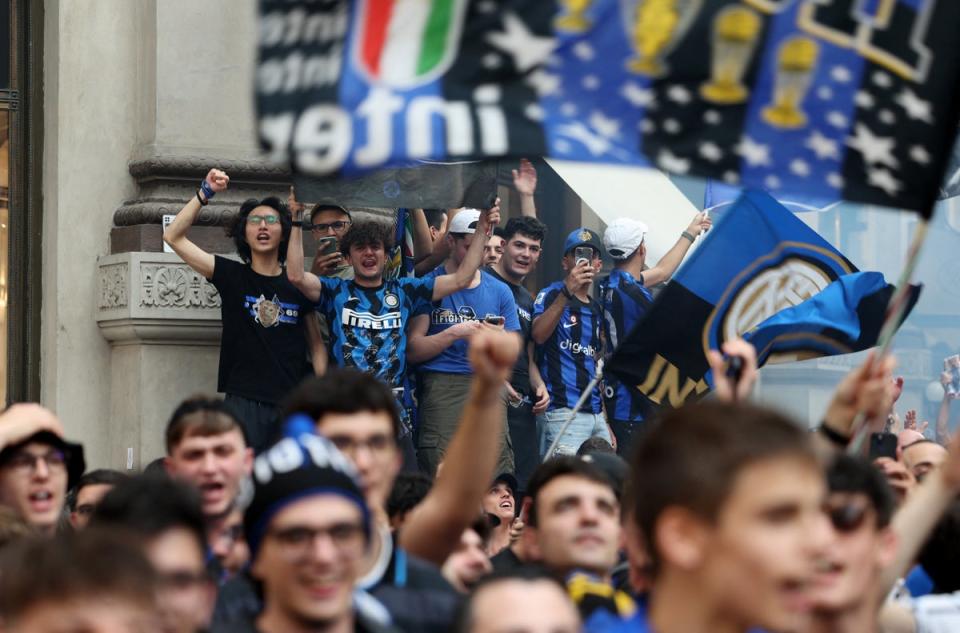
(408,43)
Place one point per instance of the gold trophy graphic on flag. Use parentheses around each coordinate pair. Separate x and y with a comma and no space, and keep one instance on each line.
(795,65)
(736,31)
(573,20)
(657,26)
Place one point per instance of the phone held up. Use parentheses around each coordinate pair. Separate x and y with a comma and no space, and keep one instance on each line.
(883,445)
(327,245)
(582,253)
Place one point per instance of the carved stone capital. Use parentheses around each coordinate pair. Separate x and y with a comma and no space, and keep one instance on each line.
(155,298)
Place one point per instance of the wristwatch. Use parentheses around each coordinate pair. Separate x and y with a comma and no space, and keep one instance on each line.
(297,223)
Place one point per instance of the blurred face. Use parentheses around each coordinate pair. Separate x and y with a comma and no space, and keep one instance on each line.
(759,559)
(468,563)
(186,594)
(921,458)
(493,250)
(521,606)
(309,561)
(106,614)
(368,261)
(33,483)
(215,465)
(520,256)
(367,438)
(499,501)
(88,498)
(330,223)
(857,550)
(227,542)
(261,236)
(578,526)
(459,247)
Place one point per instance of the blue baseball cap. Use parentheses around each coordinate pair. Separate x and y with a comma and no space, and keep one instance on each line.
(583,237)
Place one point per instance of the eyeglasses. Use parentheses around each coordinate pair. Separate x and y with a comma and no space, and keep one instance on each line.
(337,226)
(377,444)
(257,219)
(26,463)
(183,579)
(847,517)
(86,509)
(296,542)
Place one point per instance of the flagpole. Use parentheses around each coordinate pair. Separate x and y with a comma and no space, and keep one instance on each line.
(576,409)
(895,311)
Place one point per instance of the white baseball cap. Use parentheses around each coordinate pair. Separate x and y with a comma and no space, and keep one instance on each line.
(624,236)
(465,221)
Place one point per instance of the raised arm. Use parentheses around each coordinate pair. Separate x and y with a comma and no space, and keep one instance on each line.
(440,250)
(422,244)
(525,182)
(448,284)
(942,428)
(669,263)
(544,324)
(318,349)
(433,528)
(308,283)
(176,233)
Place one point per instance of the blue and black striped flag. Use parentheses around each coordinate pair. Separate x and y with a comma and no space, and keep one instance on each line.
(761,274)
(836,99)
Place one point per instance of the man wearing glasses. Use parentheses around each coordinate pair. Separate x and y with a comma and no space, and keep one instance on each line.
(309,529)
(264,326)
(326,221)
(36,465)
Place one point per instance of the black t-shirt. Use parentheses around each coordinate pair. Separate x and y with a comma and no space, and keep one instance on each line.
(505,560)
(520,379)
(263,348)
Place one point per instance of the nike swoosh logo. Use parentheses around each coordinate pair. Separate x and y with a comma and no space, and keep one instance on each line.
(568,325)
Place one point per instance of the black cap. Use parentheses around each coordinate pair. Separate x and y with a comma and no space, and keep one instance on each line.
(73,453)
(511,482)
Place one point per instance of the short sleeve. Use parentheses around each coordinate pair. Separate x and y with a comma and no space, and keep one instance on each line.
(544,298)
(418,291)
(329,287)
(226,273)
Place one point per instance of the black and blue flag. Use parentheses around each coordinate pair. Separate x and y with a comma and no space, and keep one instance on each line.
(761,274)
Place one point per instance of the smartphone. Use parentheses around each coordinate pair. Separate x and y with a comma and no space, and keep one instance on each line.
(883,445)
(495,320)
(327,245)
(584,253)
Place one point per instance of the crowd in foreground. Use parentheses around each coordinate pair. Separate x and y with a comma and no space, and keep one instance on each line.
(398,462)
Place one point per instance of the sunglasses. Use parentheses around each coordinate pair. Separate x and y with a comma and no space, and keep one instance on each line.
(847,517)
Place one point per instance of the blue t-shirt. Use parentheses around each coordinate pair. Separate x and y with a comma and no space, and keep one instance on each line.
(624,301)
(491,297)
(567,360)
(368,325)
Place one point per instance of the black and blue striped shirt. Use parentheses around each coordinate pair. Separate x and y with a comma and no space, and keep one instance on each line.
(624,301)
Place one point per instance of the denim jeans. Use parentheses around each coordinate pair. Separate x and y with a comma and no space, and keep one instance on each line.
(583,426)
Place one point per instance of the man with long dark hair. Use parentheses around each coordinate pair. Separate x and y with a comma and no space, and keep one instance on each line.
(265,324)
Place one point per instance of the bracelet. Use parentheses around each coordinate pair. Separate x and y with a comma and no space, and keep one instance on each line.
(834,437)
(297,223)
(207,190)
(203,202)
(688,236)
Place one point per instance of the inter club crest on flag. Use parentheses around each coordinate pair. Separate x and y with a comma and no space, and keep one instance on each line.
(408,43)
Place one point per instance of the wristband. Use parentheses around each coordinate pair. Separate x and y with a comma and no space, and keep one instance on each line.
(834,437)
(297,223)
(688,236)
(566,293)
(208,192)
(203,202)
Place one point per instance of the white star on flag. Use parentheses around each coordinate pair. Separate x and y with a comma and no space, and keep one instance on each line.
(754,153)
(637,95)
(919,154)
(543,82)
(835,180)
(491,61)
(712,117)
(883,179)
(591,82)
(672,126)
(800,168)
(886,117)
(837,119)
(710,151)
(864,100)
(874,149)
(882,79)
(822,146)
(771,182)
(841,74)
(915,107)
(528,50)
(679,94)
(563,146)
(825,93)
(595,144)
(667,161)
(583,51)
(731,177)
(534,112)
(605,126)
(647,126)
(568,109)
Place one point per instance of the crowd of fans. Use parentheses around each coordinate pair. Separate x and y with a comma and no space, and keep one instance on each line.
(401,453)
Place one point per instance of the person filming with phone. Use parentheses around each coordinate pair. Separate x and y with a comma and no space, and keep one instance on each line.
(438,343)
(327,224)
(566,330)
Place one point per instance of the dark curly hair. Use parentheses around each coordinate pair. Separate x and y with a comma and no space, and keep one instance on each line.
(526,226)
(366,233)
(237,227)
